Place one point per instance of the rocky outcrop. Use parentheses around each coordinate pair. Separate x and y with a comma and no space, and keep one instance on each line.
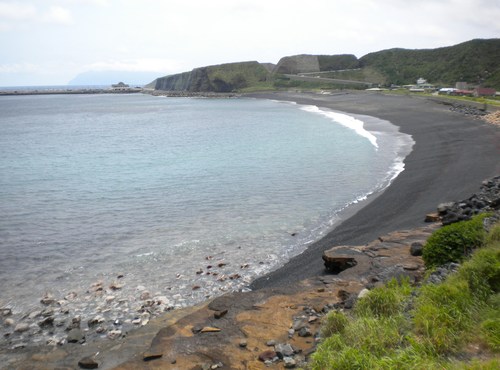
(305,63)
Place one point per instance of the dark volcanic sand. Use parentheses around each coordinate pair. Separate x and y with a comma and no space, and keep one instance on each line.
(453,153)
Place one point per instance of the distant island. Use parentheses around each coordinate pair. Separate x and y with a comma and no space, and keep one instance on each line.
(470,64)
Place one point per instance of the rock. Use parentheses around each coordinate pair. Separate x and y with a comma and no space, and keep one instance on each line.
(271,343)
(47,299)
(299,323)
(145,295)
(75,336)
(210,329)
(21,327)
(283,350)
(289,363)
(110,298)
(6,311)
(48,321)
(114,334)
(363,293)
(115,286)
(88,363)
(443,207)
(95,321)
(151,355)
(267,356)
(432,217)
(243,343)
(220,314)
(416,249)
(339,259)
(9,322)
(70,296)
(305,332)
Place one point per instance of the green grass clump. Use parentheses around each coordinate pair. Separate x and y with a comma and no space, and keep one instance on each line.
(333,322)
(453,243)
(402,327)
(384,301)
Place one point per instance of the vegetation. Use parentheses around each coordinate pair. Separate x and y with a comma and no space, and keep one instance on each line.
(474,61)
(432,327)
(452,243)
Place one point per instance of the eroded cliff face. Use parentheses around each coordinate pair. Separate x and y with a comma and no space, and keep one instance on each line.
(315,63)
(218,78)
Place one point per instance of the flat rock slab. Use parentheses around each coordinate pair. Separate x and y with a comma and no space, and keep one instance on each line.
(346,260)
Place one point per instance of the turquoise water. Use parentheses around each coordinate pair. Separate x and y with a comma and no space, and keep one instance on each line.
(156,189)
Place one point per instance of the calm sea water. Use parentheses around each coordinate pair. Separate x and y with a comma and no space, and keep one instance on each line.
(157,189)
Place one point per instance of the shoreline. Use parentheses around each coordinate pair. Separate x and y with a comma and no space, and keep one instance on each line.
(451,155)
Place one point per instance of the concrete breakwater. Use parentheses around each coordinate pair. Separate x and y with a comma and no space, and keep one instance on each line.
(128,90)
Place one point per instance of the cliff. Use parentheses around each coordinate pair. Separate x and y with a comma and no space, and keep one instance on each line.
(217,78)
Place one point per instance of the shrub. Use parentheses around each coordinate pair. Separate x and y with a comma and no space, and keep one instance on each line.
(452,243)
(334,322)
(384,301)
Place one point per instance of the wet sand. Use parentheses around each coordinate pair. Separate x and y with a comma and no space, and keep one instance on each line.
(453,153)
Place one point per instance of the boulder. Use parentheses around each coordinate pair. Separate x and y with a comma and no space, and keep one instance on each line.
(339,259)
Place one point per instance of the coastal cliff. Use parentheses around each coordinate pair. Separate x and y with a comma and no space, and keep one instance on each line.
(218,78)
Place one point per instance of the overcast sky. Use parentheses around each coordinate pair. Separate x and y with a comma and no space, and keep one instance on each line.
(49,42)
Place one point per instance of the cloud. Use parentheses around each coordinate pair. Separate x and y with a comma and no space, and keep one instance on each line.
(12,12)
(136,65)
(19,67)
(16,11)
(57,14)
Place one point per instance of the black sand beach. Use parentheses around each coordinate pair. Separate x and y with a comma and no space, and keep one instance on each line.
(452,155)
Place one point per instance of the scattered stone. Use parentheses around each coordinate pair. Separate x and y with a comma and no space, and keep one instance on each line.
(410,266)
(299,323)
(145,295)
(305,332)
(152,355)
(220,314)
(110,298)
(114,334)
(75,336)
(289,362)
(21,327)
(9,322)
(48,321)
(243,343)
(195,287)
(116,286)
(70,296)
(210,329)
(432,217)
(6,311)
(119,276)
(267,356)
(363,293)
(88,363)
(196,329)
(95,321)
(291,332)
(47,299)
(283,350)
(416,249)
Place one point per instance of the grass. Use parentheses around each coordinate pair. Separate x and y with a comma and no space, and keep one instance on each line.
(398,326)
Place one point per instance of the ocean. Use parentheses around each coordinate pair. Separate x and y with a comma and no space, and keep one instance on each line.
(183,198)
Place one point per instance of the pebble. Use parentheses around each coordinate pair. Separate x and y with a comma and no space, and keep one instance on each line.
(110,298)
(285,350)
(88,363)
(47,299)
(289,362)
(148,356)
(267,356)
(243,343)
(6,311)
(75,336)
(363,293)
(114,334)
(21,327)
(9,322)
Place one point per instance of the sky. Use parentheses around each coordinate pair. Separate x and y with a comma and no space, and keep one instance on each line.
(49,42)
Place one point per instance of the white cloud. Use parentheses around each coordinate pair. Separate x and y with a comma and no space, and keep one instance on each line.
(57,14)
(16,11)
(139,65)
(19,68)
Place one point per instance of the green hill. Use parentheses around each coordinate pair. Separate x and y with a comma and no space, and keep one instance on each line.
(475,61)
(218,78)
